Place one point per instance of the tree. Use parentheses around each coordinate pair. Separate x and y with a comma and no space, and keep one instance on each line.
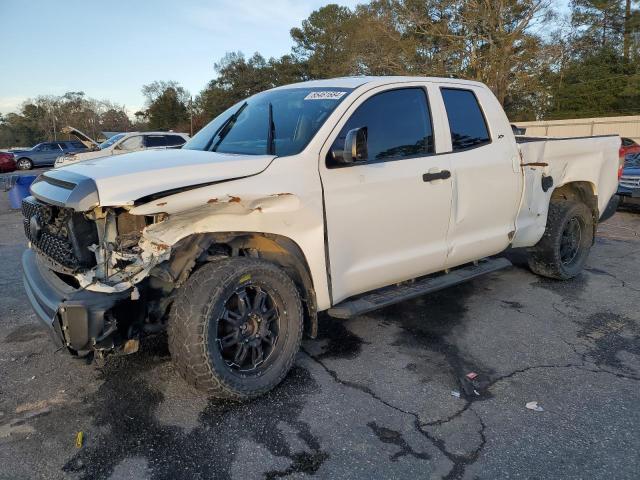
(239,78)
(155,89)
(323,42)
(114,120)
(599,75)
(167,111)
(43,117)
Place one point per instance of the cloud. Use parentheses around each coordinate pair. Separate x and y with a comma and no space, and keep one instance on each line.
(11,104)
(238,24)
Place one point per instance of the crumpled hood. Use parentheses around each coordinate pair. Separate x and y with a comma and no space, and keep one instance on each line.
(122,179)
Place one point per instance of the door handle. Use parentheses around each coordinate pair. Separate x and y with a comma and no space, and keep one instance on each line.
(436,175)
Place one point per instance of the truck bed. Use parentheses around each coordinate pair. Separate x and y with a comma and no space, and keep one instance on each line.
(594,160)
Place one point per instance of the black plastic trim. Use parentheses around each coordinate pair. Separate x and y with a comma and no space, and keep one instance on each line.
(56,304)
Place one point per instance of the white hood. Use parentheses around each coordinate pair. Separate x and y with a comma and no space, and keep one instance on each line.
(122,179)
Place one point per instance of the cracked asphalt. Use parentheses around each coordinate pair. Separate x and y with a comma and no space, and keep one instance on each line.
(370,398)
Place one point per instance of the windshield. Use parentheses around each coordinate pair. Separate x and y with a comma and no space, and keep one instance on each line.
(279,122)
(110,141)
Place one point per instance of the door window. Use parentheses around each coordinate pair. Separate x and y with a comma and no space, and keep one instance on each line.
(466,120)
(50,147)
(131,143)
(152,141)
(398,124)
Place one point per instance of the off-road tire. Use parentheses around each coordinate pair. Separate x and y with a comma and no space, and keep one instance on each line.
(195,315)
(545,258)
(24,164)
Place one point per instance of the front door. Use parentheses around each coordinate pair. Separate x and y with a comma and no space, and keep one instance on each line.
(47,154)
(130,144)
(387,215)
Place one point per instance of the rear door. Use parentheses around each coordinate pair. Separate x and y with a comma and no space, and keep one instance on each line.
(384,222)
(155,141)
(486,177)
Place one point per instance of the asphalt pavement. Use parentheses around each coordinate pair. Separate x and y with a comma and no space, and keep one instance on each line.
(373,397)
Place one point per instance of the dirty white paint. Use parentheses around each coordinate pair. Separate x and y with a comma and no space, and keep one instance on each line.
(594,160)
(384,224)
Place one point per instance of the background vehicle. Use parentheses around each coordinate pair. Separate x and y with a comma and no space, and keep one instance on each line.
(45,153)
(629,186)
(341,195)
(121,143)
(7,162)
(629,146)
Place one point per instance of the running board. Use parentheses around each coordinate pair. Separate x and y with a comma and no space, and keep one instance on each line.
(399,293)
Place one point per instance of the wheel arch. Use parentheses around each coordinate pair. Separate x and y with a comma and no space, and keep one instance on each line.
(197,249)
(582,191)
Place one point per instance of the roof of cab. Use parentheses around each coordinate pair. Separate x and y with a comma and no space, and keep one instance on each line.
(355,82)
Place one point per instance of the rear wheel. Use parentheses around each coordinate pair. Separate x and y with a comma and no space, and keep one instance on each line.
(24,164)
(563,250)
(235,328)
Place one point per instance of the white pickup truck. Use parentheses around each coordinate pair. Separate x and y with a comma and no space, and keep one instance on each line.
(340,195)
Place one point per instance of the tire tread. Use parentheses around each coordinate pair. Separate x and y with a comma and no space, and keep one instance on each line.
(188,320)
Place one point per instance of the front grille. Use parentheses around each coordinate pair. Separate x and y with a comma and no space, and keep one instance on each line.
(630,181)
(60,234)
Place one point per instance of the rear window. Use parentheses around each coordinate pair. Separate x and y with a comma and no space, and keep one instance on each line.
(466,121)
(173,140)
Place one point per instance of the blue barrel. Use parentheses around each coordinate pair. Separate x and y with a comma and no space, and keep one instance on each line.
(20,190)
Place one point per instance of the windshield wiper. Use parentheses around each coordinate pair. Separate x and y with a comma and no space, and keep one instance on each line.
(225,128)
(271,137)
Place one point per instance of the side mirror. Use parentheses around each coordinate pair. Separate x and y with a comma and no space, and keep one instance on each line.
(355,146)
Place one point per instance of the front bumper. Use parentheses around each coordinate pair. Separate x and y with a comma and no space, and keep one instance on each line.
(74,317)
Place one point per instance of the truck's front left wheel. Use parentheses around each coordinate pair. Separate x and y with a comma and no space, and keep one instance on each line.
(235,328)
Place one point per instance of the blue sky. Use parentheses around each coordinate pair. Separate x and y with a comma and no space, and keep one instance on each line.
(110,49)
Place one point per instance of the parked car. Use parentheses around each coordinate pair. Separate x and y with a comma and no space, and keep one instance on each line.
(629,146)
(629,186)
(120,143)
(7,162)
(341,195)
(45,153)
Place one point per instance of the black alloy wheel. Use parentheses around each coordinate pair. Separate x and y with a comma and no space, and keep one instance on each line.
(571,241)
(248,329)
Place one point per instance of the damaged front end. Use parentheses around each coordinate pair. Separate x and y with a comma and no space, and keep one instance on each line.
(88,276)
(102,274)
(122,257)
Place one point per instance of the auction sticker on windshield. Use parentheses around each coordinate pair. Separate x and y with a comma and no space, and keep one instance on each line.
(325,95)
